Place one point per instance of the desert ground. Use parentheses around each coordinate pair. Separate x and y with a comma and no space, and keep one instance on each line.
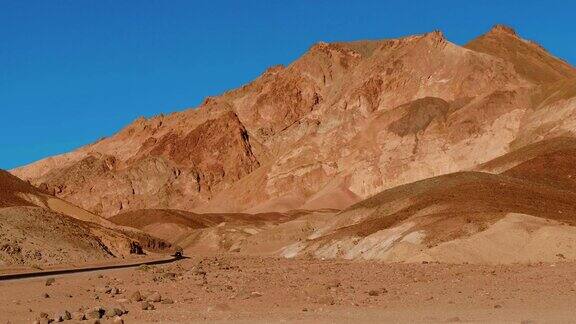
(223,288)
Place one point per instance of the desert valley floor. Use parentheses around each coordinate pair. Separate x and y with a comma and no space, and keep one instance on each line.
(224,288)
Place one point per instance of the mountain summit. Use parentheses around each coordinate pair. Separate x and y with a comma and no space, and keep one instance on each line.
(529,59)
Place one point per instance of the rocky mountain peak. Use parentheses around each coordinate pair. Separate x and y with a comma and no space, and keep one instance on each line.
(499,29)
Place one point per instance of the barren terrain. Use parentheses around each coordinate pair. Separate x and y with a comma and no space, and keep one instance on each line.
(225,288)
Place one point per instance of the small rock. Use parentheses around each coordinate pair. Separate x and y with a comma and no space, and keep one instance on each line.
(497,306)
(155,297)
(255,294)
(104,290)
(115,311)
(147,306)
(373,293)
(50,281)
(65,315)
(118,320)
(136,296)
(167,301)
(95,313)
(78,316)
(45,295)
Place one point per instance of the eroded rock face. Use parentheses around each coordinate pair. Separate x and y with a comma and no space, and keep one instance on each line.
(177,169)
(343,122)
(217,152)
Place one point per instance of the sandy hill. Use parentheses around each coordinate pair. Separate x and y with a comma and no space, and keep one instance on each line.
(525,214)
(37,229)
(202,232)
(338,125)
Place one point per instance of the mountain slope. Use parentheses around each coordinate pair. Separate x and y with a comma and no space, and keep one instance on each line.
(462,217)
(13,190)
(526,213)
(343,122)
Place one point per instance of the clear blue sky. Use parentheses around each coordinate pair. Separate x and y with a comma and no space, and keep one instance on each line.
(77,70)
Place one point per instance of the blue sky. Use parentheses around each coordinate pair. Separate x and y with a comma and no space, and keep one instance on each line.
(77,70)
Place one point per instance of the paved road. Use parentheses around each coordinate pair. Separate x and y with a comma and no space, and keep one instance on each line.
(46,273)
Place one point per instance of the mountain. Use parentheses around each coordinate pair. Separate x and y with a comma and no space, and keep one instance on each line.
(37,229)
(340,124)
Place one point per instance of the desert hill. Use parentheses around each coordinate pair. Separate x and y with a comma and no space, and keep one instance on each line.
(37,229)
(524,214)
(203,233)
(340,124)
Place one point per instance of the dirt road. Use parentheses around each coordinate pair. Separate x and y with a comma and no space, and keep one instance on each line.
(22,275)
